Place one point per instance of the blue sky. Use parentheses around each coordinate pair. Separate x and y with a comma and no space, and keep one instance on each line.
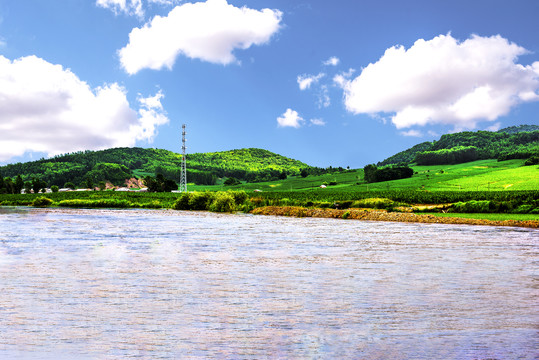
(340,83)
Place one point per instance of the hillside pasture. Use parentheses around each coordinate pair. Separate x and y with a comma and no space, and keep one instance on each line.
(481,175)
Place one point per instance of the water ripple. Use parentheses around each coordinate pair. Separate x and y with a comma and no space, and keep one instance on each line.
(117,284)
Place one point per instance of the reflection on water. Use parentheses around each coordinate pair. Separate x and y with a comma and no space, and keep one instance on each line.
(114,284)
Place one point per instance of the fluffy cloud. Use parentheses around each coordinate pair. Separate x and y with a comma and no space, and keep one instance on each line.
(290,118)
(46,108)
(208,31)
(444,81)
(305,81)
(333,61)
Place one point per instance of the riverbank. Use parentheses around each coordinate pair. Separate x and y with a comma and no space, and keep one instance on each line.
(384,215)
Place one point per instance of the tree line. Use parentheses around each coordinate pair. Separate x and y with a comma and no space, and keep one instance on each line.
(512,143)
(456,155)
(395,172)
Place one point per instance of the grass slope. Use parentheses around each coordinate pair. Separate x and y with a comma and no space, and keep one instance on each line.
(479,175)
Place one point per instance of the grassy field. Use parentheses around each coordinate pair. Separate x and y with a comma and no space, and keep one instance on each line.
(494,217)
(483,175)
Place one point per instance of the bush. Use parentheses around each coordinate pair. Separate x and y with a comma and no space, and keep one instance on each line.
(42,202)
(231,182)
(54,189)
(373,203)
(182,203)
(239,196)
(343,204)
(200,200)
(223,202)
(152,205)
(534,160)
(324,205)
(481,206)
(523,209)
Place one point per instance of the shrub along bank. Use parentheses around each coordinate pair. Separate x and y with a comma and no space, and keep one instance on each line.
(512,202)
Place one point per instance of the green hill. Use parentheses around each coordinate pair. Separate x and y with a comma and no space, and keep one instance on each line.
(118,164)
(517,142)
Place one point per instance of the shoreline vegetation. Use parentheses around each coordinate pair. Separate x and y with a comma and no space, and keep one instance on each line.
(515,208)
(384,215)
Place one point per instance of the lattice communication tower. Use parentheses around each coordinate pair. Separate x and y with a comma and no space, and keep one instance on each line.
(183,176)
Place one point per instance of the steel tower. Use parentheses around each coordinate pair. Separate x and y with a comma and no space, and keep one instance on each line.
(183,175)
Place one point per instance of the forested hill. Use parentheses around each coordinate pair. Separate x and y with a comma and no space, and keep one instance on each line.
(517,142)
(118,164)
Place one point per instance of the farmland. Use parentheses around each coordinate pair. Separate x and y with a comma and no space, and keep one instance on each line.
(482,175)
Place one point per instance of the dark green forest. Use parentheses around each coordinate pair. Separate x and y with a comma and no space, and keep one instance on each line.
(517,142)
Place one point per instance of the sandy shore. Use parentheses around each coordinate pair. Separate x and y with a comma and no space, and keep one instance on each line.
(383,215)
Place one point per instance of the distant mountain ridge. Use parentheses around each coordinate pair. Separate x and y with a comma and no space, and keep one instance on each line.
(519,128)
(117,164)
(515,142)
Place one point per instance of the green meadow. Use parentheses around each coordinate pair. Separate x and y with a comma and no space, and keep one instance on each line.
(482,175)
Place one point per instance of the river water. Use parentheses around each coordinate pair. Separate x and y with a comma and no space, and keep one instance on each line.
(157,284)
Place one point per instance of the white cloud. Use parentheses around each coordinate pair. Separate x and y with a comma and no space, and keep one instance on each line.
(133,7)
(127,7)
(318,122)
(342,78)
(444,81)
(494,127)
(414,133)
(164,2)
(46,108)
(208,31)
(305,81)
(323,97)
(332,61)
(290,118)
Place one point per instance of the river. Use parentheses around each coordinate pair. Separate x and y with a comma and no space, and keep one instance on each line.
(163,284)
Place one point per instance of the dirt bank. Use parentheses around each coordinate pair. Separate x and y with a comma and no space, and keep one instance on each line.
(383,215)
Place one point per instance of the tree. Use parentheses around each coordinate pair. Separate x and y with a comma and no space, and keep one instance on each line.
(231,182)
(160,184)
(9,186)
(69,185)
(304,173)
(102,185)
(19,184)
(370,172)
(89,184)
(36,185)
(375,174)
(282,175)
(27,187)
